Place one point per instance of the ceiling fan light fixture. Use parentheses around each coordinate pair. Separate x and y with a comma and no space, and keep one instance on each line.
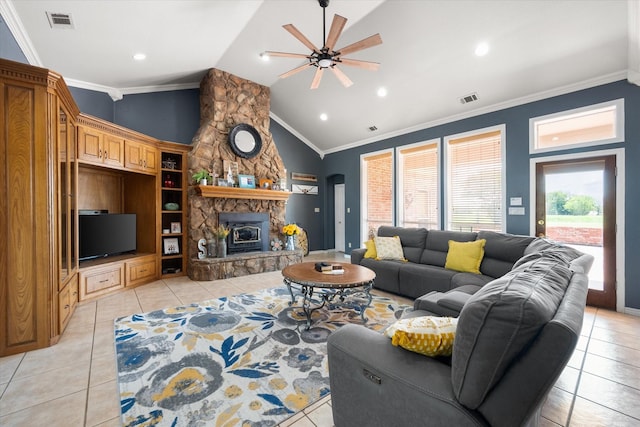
(327,57)
(325,61)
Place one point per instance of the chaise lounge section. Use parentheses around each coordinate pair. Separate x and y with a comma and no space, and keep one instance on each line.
(514,337)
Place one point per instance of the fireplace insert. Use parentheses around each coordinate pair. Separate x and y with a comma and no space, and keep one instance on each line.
(248,232)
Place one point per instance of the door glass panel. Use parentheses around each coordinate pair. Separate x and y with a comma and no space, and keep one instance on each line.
(574,201)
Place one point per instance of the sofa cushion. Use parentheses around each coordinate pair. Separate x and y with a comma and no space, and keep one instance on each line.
(465,256)
(501,251)
(371,249)
(389,248)
(437,245)
(469,279)
(428,335)
(413,240)
(418,279)
(500,321)
(387,273)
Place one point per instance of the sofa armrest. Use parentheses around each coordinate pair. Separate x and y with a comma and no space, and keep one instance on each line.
(357,255)
(374,383)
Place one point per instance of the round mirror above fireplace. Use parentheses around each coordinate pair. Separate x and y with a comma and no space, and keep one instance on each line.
(245,141)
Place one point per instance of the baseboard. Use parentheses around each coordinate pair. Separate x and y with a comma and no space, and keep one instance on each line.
(632,311)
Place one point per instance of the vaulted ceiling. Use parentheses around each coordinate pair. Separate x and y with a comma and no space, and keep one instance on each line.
(536,49)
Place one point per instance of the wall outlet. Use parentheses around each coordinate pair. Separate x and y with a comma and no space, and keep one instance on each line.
(349,244)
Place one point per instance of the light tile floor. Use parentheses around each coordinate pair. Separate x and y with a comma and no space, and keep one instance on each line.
(74,382)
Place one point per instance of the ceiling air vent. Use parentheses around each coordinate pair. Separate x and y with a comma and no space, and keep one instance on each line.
(469,98)
(373,128)
(60,20)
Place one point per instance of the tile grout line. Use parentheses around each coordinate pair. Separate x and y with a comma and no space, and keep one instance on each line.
(584,358)
(93,341)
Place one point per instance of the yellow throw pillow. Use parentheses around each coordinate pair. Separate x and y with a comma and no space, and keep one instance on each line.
(428,335)
(465,256)
(389,248)
(371,249)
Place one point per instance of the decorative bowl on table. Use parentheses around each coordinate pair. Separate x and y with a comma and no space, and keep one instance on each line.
(171,206)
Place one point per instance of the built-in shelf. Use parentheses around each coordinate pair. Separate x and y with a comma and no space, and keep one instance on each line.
(240,193)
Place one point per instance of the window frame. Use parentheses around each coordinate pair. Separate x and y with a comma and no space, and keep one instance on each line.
(363,189)
(399,182)
(446,168)
(618,104)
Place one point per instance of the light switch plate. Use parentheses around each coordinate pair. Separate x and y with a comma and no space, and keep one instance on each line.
(516,211)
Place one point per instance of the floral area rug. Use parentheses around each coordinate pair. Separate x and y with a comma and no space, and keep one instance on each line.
(244,360)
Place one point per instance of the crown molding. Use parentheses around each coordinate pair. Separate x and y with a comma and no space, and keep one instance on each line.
(633,32)
(562,90)
(16,28)
(117,93)
(297,134)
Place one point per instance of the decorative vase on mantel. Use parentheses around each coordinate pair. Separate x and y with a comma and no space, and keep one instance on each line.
(290,243)
(222,248)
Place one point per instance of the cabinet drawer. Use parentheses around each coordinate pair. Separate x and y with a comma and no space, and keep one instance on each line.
(64,307)
(99,280)
(67,301)
(141,270)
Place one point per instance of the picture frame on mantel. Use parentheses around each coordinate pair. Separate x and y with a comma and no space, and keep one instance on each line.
(246,181)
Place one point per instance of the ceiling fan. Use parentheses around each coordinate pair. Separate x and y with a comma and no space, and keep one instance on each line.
(327,57)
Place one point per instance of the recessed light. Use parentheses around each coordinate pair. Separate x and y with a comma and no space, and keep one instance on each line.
(139,56)
(264,56)
(324,117)
(382,92)
(482,49)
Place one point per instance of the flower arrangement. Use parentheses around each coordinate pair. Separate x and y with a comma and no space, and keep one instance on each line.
(221,232)
(290,230)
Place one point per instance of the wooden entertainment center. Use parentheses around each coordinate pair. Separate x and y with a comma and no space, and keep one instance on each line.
(55,161)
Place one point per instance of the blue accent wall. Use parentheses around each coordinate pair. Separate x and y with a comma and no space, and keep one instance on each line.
(298,157)
(170,116)
(516,119)
(97,104)
(9,48)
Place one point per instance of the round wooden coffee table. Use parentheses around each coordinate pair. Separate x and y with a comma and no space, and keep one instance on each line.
(355,279)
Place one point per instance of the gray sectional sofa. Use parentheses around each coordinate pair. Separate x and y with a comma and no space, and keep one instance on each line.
(426,253)
(515,335)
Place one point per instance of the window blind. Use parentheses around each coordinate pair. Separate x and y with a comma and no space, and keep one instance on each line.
(474,193)
(418,186)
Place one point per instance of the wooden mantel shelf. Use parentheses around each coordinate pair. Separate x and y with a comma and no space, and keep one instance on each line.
(241,193)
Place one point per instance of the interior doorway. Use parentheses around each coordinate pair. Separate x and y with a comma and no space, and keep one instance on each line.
(339,215)
(575,203)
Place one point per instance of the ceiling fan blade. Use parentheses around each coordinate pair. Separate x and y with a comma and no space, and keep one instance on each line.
(316,78)
(286,54)
(373,66)
(346,81)
(297,34)
(294,71)
(334,32)
(370,41)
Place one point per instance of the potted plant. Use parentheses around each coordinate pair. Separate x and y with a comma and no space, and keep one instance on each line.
(202,176)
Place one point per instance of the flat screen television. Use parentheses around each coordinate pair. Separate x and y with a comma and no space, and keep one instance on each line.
(104,234)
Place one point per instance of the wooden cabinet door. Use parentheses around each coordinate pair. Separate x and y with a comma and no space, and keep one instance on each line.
(150,159)
(113,151)
(96,281)
(141,270)
(141,157)
(133,155)
(89,145)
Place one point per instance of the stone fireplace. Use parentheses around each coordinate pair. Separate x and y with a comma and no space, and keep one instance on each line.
(225,101)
